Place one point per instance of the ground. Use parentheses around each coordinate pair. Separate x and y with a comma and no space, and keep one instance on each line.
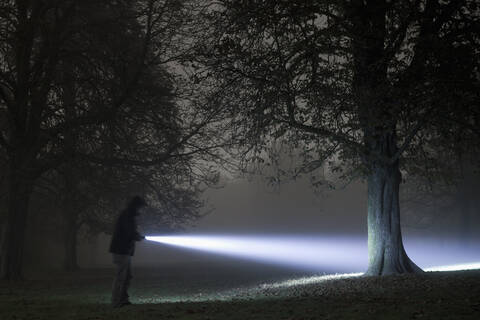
(237,292)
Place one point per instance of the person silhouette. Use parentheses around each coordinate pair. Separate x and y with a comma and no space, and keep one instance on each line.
(122,247)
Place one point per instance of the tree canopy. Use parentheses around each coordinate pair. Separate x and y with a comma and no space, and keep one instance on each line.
(99,84)
(376,87)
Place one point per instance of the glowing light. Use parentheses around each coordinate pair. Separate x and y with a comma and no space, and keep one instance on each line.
(456,267)
(310,280)
(322,254)
(314,253)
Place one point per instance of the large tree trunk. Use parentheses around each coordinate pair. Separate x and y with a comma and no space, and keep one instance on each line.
(69,202)
(386,254)
(19,191)
(3,229)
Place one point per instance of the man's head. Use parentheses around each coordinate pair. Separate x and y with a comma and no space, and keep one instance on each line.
(136,203)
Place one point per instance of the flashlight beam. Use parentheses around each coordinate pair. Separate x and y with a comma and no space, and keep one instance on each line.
(342,254)
(337,254)
(456,267)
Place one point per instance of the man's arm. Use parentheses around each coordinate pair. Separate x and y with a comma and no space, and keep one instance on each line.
(138,236)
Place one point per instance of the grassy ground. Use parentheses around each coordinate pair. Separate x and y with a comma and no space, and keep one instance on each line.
(235,293)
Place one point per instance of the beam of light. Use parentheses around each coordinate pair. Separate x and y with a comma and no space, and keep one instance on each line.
(326,254)
(329,257)
(333,254)
(456,267)
(310,280)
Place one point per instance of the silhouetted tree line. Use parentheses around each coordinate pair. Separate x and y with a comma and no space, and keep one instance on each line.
(95,106)
(152,96)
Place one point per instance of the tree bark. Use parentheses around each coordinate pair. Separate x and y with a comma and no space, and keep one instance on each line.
(19,191)
(3,229)
(386,254)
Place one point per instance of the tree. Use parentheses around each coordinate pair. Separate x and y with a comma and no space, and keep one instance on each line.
(69,71)
(375,87)
(79,200)
(36,37)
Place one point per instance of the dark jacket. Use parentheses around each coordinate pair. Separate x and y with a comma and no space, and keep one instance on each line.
(125,233)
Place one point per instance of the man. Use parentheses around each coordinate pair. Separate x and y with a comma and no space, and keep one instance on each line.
(122,248)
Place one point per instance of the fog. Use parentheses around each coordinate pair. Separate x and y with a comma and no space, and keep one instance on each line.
(250,207)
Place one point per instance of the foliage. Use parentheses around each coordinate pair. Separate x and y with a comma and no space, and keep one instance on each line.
(290,71)
(93,90)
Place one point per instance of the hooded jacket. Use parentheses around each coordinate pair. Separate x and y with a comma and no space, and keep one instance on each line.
(125,233)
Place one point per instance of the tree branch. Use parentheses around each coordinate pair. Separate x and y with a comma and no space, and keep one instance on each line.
(4,143)
(420,124)
(325,133)
(4,95)
(429,27)
(400,34)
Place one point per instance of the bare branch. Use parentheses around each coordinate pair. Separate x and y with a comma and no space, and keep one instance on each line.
(413,132)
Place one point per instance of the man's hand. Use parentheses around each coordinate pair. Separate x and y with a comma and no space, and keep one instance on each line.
(139,237)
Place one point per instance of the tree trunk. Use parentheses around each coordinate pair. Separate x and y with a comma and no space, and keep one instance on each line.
(3,229)
(371,90)
(466,195)
(71,261)
(465,221)
(386,254)
(19,191)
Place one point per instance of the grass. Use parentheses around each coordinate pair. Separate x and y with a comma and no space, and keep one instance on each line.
(209,292)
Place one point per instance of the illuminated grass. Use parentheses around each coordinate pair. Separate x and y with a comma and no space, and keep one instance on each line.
(259,291)
(263,290)
(456,267)
(310,280)
(195,294)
